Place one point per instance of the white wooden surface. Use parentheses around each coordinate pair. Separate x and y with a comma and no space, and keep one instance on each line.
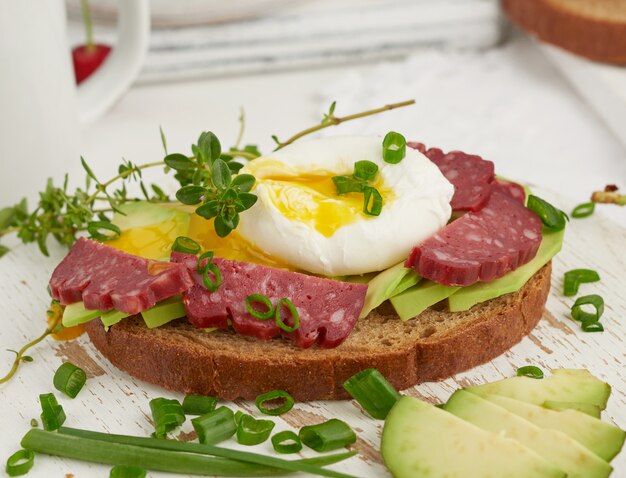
(521,114)
(115,402)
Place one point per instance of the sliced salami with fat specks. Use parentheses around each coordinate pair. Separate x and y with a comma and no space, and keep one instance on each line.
(480,246)
(105,278)
(516,191)
(470,175)
(328,309)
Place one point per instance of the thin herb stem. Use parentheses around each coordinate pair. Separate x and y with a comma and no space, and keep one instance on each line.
(609,197)
(18,358)
(242,154)
(334,121)
(242,127)
(102,186)
(89,44)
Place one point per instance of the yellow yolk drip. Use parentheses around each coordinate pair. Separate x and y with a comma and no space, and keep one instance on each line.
(153,241)
(232,247)
(312,198)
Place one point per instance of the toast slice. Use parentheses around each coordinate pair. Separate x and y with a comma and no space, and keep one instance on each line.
(433,346)
(593,29)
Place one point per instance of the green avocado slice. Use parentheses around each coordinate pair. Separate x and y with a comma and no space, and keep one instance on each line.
(387,284)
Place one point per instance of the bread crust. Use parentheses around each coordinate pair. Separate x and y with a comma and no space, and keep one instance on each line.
(597,37)
(435,345)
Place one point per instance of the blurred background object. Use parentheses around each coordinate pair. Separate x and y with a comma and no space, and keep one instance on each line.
(201,39)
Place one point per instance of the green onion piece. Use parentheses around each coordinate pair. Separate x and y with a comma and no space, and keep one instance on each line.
(285,404)
(551,217)
(20,463)
(238,415)
(69,379)
(591,326)
(286,442)
(125,471)
(164,455)
(575,277)
(327,436)
(96,230)
(394,147)
(185,245)
(293,312)
(530,371)
(264,301)
(372,202)
(594,300)
(584,210)
(198,404)
(208,255)
(347,184)
(373,392)
(167,414)
(52,414)
(215,426)
(365,170)
(252,432)
(212,284)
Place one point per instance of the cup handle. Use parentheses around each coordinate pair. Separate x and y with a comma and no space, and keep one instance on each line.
(112,79)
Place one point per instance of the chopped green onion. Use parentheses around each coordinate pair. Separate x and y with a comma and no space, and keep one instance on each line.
(252,432)
(96,230)
(327,436)
(293,312)
(584,210)
(591,326)
(34,423)
(372,202)
(575,277)
(373,392)
(347,184)
(238,415)
(273,396)
(594,300)
(365,170)
(286,442)
(394,147)
(69,379)
(125,471)
(167,414)
(551,217)
(165,455)
(208,255)
(185,245)
(264,301)
(198,404)
(215,426)
(52,414)
(20,463)
(530,371)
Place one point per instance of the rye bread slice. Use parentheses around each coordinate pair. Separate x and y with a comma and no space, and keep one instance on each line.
(593,29)
(435,345)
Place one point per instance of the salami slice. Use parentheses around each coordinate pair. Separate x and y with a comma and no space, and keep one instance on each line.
(470,175)
(105,278)
(480,246)
(516,191)
(328,309)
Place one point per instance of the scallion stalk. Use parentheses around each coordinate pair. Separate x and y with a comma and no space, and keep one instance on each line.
(286,402)
(372,201)
(215,426)
(575,277)
(584,210)
(185,245)
(327,436)
(252,432)
(124,471)
(394,147)
(52,414)
(69,379)
(20,463)
(365,170)
(268,313)
(594,300)
(223,461)
(530,371)
(286,442)
(373,392)
(293,312)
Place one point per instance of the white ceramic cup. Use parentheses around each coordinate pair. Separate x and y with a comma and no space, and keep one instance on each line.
(41,108)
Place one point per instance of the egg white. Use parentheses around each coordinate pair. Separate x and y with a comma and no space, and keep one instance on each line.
(419,208)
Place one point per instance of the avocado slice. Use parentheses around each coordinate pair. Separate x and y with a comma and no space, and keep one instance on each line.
(420,440)
(143,213)
(386,284)
(555,446)
(112,317)
(76,314)
(511,282)
(559,387)
(418,298)
(164,312)
(586,408)
(603,439)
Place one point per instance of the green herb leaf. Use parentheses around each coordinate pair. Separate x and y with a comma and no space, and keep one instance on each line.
(191,194)
(179,162)
(221,228)
(221,174)
(88,169)
(103,231)
(209,147)
(247,200)
(244,182)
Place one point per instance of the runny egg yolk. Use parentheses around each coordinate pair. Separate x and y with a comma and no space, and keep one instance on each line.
(153,241)
(311,197)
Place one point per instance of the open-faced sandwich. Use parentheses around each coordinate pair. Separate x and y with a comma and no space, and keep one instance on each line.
(312,263)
